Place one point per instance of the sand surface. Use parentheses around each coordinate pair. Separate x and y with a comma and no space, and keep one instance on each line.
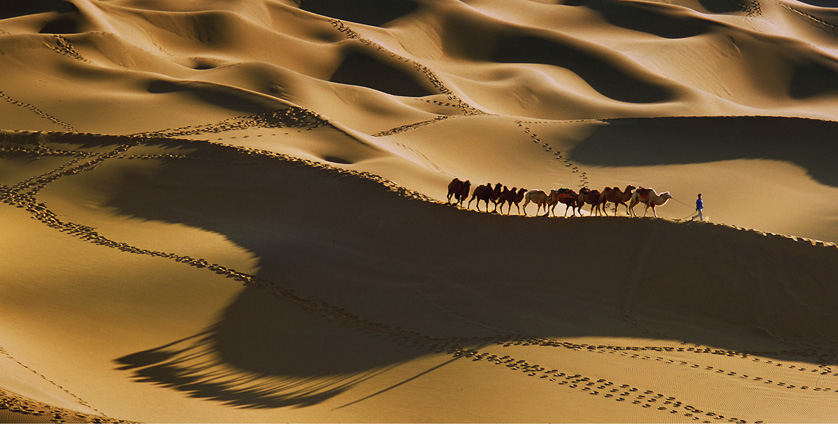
(218,211)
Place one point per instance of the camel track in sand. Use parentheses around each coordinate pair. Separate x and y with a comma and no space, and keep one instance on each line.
(436,82)
(37,111)
(24,195)
(559,156)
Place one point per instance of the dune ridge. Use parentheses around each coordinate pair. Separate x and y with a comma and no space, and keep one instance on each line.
(457,344)
(235,211)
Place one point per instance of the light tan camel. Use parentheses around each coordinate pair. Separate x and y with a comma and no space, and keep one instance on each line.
(648,197)
(540,198)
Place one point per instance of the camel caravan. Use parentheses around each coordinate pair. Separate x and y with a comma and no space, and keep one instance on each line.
(501,195)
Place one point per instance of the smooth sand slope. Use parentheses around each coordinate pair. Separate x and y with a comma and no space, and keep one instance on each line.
(234,211)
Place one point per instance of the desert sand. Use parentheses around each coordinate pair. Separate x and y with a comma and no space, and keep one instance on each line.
(235,211)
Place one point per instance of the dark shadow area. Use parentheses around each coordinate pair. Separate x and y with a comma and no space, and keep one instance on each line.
(67,24)
(289,358)
(662,141)
(643,17)
(13,8)
(438,272)
(367,12)
(361,69)
(813,79)
(219,95)
(724,6)
(821,3)
(606,78)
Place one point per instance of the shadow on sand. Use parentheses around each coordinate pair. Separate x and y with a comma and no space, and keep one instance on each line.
(662,141)
(440,272)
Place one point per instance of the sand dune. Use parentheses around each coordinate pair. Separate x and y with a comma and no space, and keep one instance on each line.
(235,211)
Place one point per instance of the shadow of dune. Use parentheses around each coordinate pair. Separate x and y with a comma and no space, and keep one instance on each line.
(11,9)
(367,12)
(813,79)
(643,17)
(607,78)
(232,98)
(444,273)
(265,354)
(724,6)
(819,3)
(663,141)
(361,69)
(67,24)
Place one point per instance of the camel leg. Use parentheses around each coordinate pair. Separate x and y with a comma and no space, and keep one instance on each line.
(525,207)
(654,211)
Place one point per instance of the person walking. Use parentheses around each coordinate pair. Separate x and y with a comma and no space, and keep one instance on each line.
(699,209)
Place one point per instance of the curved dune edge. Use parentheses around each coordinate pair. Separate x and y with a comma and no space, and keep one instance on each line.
(474,347)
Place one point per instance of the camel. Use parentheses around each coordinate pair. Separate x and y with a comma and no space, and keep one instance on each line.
(648,197)
(513,196)
(540,198)
(570,199)
(616,196)
(458,189)
(517,200)
(590,197)
(481,193)
(495,196)
(486,194)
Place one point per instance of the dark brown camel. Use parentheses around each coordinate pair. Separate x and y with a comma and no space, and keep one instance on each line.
(482,193)
(458,189)
(617,197)
(590,197)
(519,196)
(495,196)
(570,199)
(513,196)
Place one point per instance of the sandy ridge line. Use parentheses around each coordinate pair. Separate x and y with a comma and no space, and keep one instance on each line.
(291,117)
(820,23)
(466,108)
(337,315)
(408,127)
(37,111)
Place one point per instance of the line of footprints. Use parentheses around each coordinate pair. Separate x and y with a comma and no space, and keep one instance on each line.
(558,155)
